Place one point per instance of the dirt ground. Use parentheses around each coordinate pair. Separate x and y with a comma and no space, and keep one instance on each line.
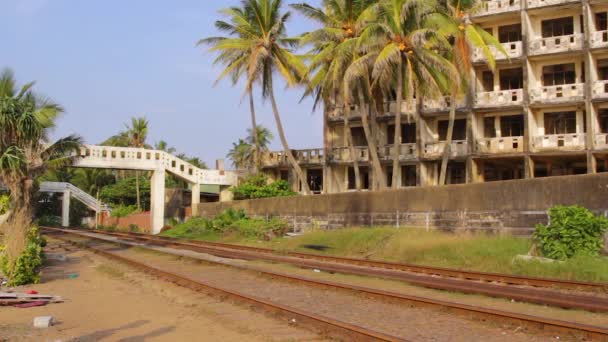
(111,302)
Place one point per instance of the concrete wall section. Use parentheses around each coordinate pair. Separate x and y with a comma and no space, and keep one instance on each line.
(513,206)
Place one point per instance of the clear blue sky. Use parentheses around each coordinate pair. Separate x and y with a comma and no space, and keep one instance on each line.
(106,61)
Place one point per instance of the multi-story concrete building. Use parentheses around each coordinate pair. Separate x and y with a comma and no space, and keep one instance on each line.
(543,113)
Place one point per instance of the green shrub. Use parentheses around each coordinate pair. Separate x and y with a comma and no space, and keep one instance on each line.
(229,222)
(257,187)
(572,231)
(4,203)
(49,221)
(133,228)
(124,210)
(26,268)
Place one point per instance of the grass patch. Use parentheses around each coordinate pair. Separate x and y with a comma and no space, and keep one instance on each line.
(479,252)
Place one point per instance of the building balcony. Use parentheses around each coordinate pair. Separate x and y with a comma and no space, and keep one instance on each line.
(558,94)
(390,107)
(501,145)
(500,98)
(601,141)
(542,3)
(600,89)
(406,152)
(560,142)
(441,104)
(343,154)
(557,44)
(599,39)
(273,159)
(436,149)
(337,113)
(491,7)
(514,50)
(310,156)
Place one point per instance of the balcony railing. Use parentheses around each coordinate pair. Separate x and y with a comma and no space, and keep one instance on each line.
(279,158)
(559,93)
(559,142)
(406,152)
(499,98)
(513,49)
(599,39)
(600,89)
(441,104)
(601,141)
(501,145)
(541,3)
(337,113)
(459,149)
(390,107)
(490,7)
(342,154)
(571,42)
(310,156)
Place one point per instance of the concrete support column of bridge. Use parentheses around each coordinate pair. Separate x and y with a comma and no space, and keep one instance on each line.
(196,198)
(65,209)
(157,200)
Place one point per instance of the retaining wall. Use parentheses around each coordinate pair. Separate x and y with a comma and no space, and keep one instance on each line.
(508,206)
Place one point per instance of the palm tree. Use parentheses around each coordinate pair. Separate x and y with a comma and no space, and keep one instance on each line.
(334,48)
(26,153)
(263,43)
(259,143)
(136,134)
(240,154)
(234,60)
(406,57)
(453,21)
(162,145)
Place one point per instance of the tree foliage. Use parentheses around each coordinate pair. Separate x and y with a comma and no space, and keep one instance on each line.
(571,231)
(123,192)
(258,186)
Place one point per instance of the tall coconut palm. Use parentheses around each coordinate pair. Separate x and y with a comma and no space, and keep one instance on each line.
(240,154)
(137,133)
(334,48)
(26,153)
(162,145)
(264,44)
(454,22)
(406,57)
(234,60)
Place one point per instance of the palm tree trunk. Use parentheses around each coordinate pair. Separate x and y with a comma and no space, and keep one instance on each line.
(19,220)
(448,143)
(137,190)
(351,146)
(371,142)
(294,164)
(254,127)
(397,142)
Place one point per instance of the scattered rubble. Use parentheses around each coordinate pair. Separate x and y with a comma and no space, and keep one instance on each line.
(26,300)
(43,322)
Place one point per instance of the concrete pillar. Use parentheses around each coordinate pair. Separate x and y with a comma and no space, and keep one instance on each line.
(528,167)
(65,209)
(157,200)
(225,194)
(196,198)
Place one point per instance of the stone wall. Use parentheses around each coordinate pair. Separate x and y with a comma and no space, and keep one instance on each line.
(509,206)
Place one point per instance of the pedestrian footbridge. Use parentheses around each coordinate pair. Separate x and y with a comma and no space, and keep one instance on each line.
(159,163)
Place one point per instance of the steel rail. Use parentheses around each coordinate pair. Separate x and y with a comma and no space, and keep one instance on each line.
(541,323)
(529,295)
(321,324)
(430,270)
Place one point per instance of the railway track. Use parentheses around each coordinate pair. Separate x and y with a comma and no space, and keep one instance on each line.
(530,295)
(428,270)
(342,329)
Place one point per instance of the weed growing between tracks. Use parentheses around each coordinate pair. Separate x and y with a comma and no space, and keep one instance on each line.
(479,252)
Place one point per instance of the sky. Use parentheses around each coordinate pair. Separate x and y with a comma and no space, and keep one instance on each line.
(107,61)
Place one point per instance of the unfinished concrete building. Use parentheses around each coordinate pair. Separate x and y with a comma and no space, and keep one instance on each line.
(543,113)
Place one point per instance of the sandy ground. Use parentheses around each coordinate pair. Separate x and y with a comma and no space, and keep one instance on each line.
(111,302)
